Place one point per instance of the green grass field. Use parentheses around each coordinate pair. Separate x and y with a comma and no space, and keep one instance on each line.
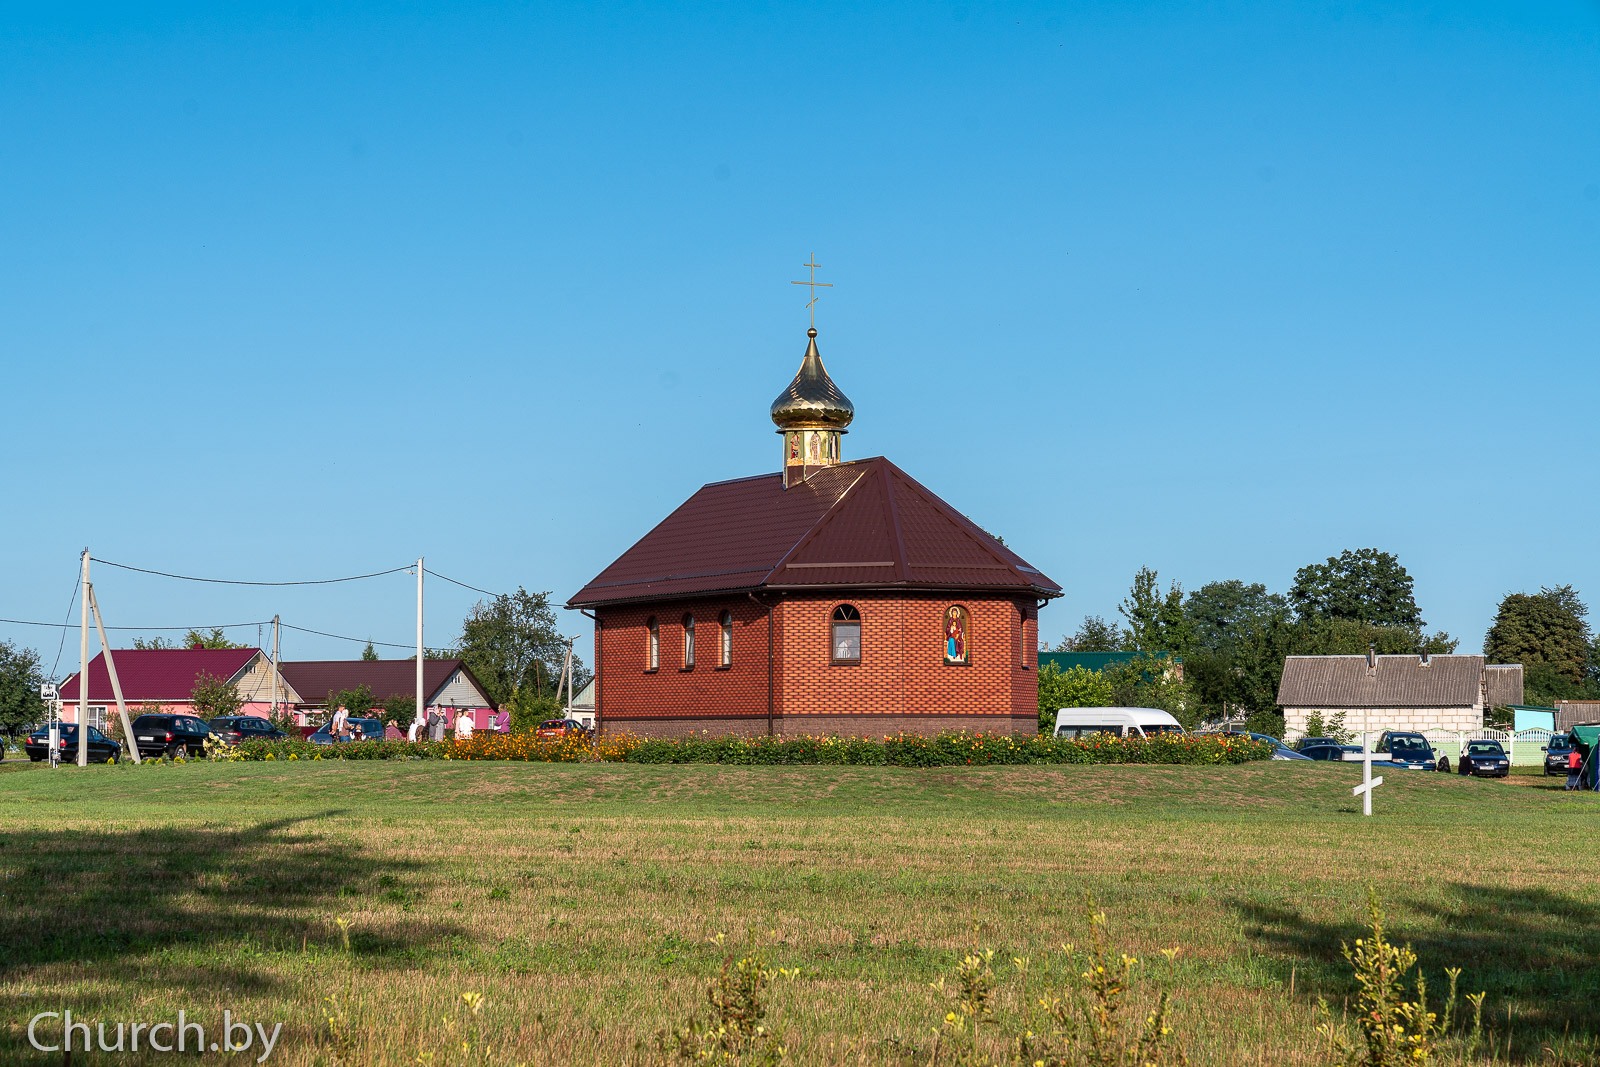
(581,900)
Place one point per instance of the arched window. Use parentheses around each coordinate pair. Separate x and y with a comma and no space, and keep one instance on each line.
(688,641)
(957,635)
(845,638)
(725,649)
(652,644)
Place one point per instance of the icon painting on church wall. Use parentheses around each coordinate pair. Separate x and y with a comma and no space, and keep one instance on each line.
(956,624)
(794,447)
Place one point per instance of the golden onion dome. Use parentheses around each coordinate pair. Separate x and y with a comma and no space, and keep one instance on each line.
(812,401)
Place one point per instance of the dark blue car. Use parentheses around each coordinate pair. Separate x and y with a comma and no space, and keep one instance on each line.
(360,730)
(1409,750)
(101,748)
(1484,759)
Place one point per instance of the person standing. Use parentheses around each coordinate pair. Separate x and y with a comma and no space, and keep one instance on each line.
(340,724)
(1574,769)
(463,725)
(435,725)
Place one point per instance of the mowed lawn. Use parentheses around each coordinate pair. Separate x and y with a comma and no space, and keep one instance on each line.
(582,900)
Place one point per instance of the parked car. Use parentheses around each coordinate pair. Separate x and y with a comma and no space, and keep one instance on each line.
(1330,750)
(1555,754)
(235,728)
(360,730)
(1119,722)
(551,729)
(1411,751)
(170,735)
(1280,750)
(1484,759)
(101,748)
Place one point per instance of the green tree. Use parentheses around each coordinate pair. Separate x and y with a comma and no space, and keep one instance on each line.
(1094,635)
(1156,622)
(513,645)
(400,708)
(1075,687)
(1220,613)
(1548,628)
(193,639)
(369,653)
(213,696)
(1153,681)
(1365,585)
(359,701)
(20,677)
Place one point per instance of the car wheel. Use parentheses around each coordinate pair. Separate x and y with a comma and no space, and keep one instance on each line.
(172,751)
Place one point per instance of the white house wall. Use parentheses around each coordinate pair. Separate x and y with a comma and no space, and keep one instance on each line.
(458,691)
(1376,720)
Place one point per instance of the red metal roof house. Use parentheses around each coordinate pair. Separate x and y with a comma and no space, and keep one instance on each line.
(166,678)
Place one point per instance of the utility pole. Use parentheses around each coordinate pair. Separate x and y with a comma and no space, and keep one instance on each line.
(274,666)
(421,697)
(111,670)
(83,667)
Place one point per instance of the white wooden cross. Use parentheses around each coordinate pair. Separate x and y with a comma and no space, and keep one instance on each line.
(1368,783)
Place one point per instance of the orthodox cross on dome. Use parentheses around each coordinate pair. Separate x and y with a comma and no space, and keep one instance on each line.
(814,285)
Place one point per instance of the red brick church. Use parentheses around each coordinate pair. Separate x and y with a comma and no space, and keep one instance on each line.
(827,598)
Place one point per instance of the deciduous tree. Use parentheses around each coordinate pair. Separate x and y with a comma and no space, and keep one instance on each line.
(1156,622)
(1548,633)
(20,677)
(1094,635)
(213,696)
(1075,687)
(1364,584)
(512,644)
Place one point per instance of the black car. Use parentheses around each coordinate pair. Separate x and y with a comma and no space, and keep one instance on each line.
(1332,750)
(1555,754)
(235,728)
(170,735)
(1411,751)
(1484,759)
(101,748)
(1314,742)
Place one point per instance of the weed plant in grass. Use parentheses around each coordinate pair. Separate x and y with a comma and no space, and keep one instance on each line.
(580,901)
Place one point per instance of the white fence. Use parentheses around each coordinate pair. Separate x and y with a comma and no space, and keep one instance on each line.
(1525,747)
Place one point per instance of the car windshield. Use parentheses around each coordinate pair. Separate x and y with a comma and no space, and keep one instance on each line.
(225,724)
(553,724)
(1485,748)
(1561,743)
(1409,746)
(152,722)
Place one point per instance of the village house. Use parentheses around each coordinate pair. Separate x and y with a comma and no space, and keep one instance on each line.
(1412,692)
(828,597)
(166,678)
(449,684)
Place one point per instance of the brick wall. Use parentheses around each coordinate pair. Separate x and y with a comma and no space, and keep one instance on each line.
(901,684)
(629,691)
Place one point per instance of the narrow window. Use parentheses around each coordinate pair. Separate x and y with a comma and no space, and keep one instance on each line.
(652,644)
(688,642)
(846,635)
(726,651)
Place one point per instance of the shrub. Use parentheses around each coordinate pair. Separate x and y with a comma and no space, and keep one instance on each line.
(900,750)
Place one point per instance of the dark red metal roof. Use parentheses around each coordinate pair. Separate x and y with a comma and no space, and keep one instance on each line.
(159,674)
(861,525)
(313,680)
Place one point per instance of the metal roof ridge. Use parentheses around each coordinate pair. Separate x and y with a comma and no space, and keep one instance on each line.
(822,520)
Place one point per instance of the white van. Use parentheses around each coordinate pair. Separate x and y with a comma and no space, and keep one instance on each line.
(1119,722)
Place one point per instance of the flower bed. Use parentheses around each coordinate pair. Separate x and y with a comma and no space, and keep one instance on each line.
(900,750)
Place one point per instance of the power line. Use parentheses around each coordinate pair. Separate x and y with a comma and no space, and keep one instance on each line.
(228,581)
(70,626)
(339,637)
(463,585)
(76,585)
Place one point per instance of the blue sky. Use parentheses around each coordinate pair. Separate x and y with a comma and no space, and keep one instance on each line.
(309,290)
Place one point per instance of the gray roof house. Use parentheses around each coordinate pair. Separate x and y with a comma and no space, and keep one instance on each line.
(1413,692)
